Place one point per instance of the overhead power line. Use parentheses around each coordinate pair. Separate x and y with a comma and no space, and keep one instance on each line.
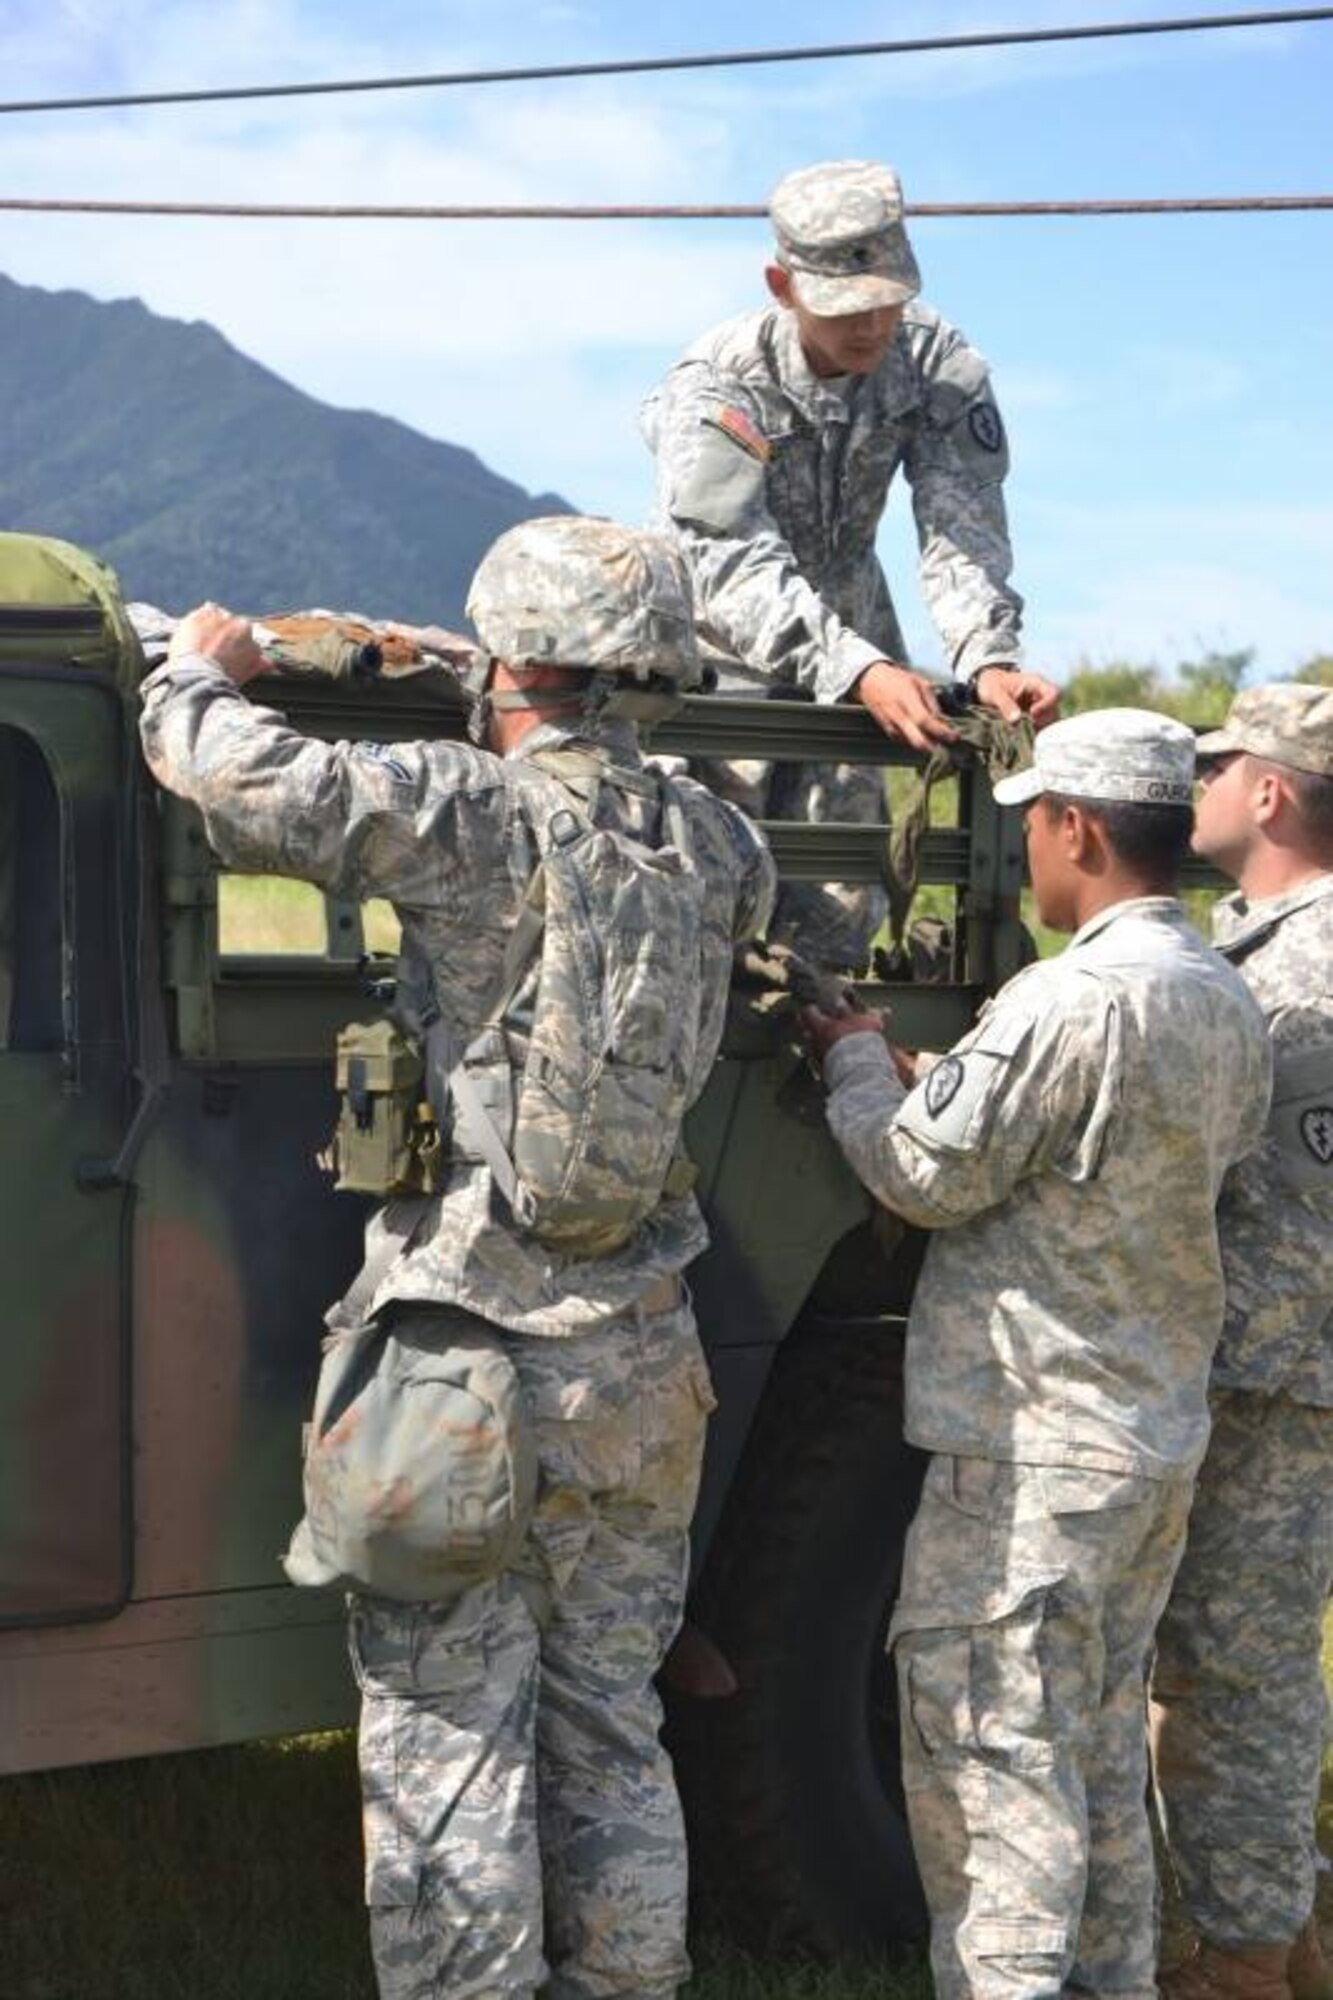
(1238,204)
(646,65)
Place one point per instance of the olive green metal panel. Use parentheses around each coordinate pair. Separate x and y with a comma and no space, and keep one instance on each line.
(175,1674)
(778,1194)
(61,606)
(64,1420)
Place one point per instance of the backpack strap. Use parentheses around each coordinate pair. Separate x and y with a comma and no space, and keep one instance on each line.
(447,1078)
(481,1127)
(673,820)
(581,773)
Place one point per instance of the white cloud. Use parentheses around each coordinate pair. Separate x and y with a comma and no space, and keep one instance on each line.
(530,343)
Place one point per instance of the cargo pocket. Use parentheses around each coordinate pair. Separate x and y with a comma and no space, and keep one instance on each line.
(1027,1945)
(972,1624)
(418,1650)
(983,1689)
(586,1446)
(676,1410)
(422,1674)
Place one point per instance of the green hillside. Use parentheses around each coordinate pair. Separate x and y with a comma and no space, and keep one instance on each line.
(198,473)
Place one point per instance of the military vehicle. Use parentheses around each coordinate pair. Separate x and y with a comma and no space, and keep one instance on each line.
(171,1243)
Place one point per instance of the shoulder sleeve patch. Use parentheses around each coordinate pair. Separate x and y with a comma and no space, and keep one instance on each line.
(951,1110)
(983,420)
(743,429)
(722,485)
(1301,1121)
(943,1083)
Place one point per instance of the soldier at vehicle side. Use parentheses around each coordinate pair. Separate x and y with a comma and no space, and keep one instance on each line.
(1067,1158)
(169,1092)
(1238,1687)
(777,436)
(513,1779)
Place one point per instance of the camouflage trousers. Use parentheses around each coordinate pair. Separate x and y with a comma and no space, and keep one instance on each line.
(1023,1630)
(831,923)
(1239,1707)
(521,1819)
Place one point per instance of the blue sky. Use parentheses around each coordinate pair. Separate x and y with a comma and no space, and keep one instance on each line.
(1166,381)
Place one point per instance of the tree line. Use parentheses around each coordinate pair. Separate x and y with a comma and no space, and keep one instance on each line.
(1198,691)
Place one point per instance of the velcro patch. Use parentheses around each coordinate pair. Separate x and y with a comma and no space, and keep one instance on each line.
(744,430)
(983,420)
(1316,1128)
(1301,1121)
(951,1109)
(943,1084)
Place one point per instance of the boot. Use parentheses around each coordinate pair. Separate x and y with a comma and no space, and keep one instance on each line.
(1308,1972)
(1236,1972)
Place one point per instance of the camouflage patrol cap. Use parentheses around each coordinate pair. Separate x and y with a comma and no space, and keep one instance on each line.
(840,233)
(1288,723)
(571,590)
(1126,754)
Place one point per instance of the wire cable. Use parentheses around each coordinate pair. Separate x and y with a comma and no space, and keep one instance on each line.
(1239,204)
(549,73)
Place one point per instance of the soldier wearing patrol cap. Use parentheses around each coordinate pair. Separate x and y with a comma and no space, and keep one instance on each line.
(522,1827)
(777,436)
(1239,1704)
(1067,1156)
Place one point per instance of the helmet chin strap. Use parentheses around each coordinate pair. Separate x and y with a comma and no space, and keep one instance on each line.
(586,701)
(604,694)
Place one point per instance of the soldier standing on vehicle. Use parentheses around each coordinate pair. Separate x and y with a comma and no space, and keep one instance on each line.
(513,1779)
(777,436)
(1238,1690)
(1067,1156)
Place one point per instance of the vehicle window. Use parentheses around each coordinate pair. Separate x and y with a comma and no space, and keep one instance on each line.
(31,903)
(270,916)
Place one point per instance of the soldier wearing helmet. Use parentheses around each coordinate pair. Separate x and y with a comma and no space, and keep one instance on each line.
(517,1798)
(777,436)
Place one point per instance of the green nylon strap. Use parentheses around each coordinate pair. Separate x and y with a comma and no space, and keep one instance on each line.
(1001,746)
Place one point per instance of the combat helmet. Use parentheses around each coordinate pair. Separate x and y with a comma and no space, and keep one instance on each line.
(611,604)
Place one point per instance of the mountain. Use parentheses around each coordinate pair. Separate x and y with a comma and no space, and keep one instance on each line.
(198,473)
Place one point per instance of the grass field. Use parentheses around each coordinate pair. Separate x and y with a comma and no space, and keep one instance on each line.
(235,1875)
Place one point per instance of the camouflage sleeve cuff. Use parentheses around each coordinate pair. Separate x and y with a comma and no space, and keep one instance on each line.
(187,665)
(987,649)
(864,1059)
(844,665)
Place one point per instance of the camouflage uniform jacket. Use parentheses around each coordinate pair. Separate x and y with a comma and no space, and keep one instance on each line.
(774,481)
(1275,1218)
(439,829)
(1070,1151)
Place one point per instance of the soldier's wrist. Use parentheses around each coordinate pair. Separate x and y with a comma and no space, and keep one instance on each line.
(974,679)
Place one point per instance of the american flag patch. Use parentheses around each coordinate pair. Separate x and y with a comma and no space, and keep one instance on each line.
(744,430)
